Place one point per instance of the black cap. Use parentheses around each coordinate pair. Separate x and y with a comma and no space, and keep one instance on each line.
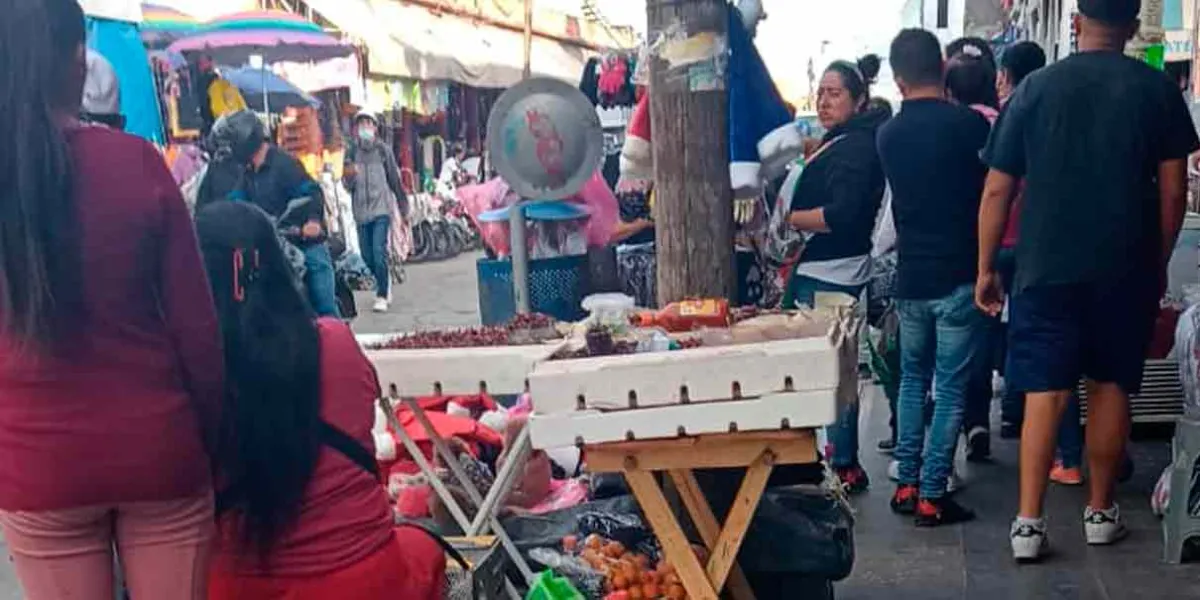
(1117,12)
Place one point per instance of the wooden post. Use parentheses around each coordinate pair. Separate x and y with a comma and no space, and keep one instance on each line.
(693,203)
(528,72)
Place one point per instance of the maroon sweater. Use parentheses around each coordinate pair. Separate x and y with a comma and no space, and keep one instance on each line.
(124,418)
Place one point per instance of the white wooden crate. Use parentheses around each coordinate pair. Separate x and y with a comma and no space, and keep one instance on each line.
(684,376)
(793,410)
(456,371)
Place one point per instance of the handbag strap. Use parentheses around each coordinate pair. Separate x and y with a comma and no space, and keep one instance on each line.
(449,549)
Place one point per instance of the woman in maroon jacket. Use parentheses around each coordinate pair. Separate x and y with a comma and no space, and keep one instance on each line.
(110,363)
(302,514)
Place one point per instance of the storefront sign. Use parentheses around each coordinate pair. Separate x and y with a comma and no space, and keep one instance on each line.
(1178,45)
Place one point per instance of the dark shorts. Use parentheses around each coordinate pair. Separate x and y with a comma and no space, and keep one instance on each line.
(1058,334)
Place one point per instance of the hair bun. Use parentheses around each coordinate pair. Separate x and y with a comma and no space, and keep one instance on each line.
(869,67)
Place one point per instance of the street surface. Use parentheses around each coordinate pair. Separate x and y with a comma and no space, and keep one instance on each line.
(896,561)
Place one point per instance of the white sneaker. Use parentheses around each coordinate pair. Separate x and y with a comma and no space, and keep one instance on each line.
(954,483)
(381,305)
(1103,527)
(1029,541)
(893,470)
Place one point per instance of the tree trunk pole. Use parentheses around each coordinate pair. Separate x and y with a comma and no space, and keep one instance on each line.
(693,202)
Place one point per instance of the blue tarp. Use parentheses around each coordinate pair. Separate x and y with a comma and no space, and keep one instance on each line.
(118,41)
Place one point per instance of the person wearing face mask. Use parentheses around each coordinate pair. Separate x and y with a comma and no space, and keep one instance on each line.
(835,203)
(375,185)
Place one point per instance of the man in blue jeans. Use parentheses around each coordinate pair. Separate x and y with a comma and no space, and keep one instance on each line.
(374,181)
(930,154)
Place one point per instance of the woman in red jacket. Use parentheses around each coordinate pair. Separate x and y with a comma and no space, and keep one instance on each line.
(301,511)
(110,364)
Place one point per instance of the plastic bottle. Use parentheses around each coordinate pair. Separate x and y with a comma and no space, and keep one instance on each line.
(688,315)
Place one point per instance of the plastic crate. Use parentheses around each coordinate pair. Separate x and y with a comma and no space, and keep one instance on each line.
(556,287)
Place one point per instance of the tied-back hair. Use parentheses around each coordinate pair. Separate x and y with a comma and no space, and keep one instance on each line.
(858,77)
(272,362)
(41,67)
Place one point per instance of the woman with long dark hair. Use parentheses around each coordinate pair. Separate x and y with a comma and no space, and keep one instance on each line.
(301,512)
(110,364)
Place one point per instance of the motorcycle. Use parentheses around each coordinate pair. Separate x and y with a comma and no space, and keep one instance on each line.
(441,228)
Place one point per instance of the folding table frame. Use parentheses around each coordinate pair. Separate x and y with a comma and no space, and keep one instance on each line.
(486,518)
(757,452)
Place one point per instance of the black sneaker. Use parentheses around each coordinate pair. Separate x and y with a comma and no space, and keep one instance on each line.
(941,511)
(887,446)
(979,445)
(904,501)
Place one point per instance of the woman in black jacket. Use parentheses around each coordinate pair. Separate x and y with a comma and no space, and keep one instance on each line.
(835,204)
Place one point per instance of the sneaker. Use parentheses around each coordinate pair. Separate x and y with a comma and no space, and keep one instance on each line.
(1066,475)
(979,445)
(941,511)
(904,501)
(854,479)
(1029,541)
(887,446)
(381,305)
(954,483)
(1103,527)
(893,470)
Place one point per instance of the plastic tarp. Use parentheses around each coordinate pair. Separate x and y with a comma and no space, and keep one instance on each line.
(118,41)
(406,40)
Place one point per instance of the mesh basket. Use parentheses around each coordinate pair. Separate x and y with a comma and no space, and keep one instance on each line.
(556,287)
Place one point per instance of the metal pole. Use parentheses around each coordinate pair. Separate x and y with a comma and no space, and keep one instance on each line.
(520,258)
(528,72)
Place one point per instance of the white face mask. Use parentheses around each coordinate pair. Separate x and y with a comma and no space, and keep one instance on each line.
(366,134)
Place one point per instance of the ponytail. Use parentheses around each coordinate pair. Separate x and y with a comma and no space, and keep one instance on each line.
(41,77)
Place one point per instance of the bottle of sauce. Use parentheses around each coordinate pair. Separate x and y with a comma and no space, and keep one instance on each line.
(687,315)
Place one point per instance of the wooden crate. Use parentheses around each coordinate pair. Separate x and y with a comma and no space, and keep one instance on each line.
(697,375)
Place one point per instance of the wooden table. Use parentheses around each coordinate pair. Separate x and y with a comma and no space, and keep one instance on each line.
(757,452)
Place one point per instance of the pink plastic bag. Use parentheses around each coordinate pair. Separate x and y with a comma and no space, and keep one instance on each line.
(595,196)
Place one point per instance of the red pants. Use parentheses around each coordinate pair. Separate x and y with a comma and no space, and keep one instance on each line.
(413,568)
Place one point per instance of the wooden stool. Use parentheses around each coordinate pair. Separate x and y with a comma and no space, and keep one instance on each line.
(757,452)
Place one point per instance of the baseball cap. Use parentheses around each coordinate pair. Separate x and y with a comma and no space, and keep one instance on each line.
(101,90)
(1111,11)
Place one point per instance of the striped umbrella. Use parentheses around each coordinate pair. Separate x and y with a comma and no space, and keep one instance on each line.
(274,35)
(162,25)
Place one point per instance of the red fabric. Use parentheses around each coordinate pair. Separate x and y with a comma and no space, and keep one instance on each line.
(143,378)
(345,517)
(412,566)
(446,426)
(475,402)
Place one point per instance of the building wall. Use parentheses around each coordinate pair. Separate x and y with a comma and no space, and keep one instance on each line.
(949,28)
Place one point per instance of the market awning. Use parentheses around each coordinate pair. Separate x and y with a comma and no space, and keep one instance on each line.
(405,40)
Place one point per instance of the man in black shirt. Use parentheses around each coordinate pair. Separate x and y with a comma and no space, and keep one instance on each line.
(1101,140)
(930,155)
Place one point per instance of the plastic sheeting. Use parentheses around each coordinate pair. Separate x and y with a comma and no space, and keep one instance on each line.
(118,41)
(408,40)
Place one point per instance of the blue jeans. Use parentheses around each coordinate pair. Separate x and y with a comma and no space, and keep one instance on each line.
(941,343)
(318,280)
(843,434)
(373,239)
